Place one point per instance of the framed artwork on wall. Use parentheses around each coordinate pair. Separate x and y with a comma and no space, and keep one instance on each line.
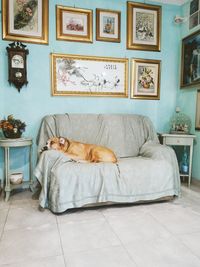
(108,24)
(190,61)
(197,121)
(77,75)
(145,79)
(143,26)
(25,21)
(74,24)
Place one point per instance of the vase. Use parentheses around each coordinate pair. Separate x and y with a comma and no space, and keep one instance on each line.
(11,134)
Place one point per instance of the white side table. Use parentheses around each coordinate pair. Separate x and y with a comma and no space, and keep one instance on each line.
(181,140)
(14,143)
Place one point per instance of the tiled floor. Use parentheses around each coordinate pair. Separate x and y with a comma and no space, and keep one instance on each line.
(151,235)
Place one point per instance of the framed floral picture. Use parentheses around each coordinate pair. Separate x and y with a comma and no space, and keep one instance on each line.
(25,20)
(190,60)
(74,24)
(77,75)
(108,24)
(197,121)
(145,79)
(143,26)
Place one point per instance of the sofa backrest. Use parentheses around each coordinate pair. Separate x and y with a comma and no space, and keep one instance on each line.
(123,133)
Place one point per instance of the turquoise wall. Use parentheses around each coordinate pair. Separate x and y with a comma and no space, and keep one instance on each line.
(35,100)
(186,98)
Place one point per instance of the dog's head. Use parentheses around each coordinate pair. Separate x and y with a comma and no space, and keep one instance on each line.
(56,143)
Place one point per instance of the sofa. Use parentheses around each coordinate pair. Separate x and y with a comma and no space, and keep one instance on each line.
(145,171)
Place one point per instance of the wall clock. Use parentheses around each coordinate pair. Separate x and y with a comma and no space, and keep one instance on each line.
(17,69)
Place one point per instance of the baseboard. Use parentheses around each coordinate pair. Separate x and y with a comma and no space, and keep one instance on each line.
(196,182)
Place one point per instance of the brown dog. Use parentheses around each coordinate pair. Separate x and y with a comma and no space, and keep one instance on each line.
(80,151)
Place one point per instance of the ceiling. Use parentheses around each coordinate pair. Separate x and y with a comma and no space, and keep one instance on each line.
(173,2)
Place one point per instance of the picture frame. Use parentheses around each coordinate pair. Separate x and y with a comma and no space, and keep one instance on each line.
(190,63)
(143,26)
(25,21)
(145,79)
(197,120)
(108,25)
(77,75)
(74,24)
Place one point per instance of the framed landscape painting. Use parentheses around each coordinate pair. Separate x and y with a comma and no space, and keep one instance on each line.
(25,21)
(190,60)
(108,24)
(77,75)
(145,79)
(74,24)
(143,26)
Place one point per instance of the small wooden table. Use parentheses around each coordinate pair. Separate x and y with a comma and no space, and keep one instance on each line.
(14,143)
(181,140)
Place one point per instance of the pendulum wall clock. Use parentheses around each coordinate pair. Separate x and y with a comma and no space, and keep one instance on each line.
(17,69)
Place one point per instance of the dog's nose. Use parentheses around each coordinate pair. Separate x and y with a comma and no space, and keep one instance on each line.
(45,148)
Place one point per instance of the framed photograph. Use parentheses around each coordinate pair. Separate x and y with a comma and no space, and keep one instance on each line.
(74,24)
(194,6)
(25,21)
(194,20)
(145,79)
(190,60)
(197,121)
(77,75)
(143,26)
(108,24)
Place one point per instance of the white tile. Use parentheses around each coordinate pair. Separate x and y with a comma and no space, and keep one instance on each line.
(136,227)
(178,219)
(105,257)
(161,252)
(81,236)
(57,261)
(29,244)
(3,215)
(80,215)
(28,216)
(192,241)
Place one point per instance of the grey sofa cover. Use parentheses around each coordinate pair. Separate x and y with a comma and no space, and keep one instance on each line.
(145,169)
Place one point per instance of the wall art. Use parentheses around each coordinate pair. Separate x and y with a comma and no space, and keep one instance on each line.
(108,24)
(190,61)
(143,26)
(197,121)
(88,75)
(74,24)
(145,79)
(25,21)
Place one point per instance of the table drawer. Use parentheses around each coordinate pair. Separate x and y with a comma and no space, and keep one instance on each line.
(178,141)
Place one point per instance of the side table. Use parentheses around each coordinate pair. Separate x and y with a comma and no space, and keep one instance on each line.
(6,144)
(181,140)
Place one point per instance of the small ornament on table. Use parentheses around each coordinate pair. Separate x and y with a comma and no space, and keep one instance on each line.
(180,123)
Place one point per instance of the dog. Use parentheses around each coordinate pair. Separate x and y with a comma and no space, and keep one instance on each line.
(81,152)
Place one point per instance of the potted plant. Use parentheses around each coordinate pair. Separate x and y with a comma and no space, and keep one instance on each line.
(11,127)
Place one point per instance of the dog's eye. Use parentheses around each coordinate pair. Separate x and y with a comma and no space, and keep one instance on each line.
(52,142)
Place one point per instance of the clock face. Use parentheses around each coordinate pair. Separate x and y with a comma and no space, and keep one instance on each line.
(17,61)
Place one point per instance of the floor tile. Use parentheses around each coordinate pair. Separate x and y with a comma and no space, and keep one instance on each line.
(178,219)
(79,215)
(135,227)
(28,216)
(161,252)
(29,244)
(192,242)
(105,257)
(81,236)
(57,261)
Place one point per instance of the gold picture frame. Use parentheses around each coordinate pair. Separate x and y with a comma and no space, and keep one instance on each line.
(32,27)
(197,120)
(143,26)
(145,79)
(74,24)
(77,75)
(108,25)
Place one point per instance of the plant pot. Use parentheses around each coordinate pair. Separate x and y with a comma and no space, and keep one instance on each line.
(11,134)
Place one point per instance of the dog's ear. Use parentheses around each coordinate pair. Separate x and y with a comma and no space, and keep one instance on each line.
(62,140)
